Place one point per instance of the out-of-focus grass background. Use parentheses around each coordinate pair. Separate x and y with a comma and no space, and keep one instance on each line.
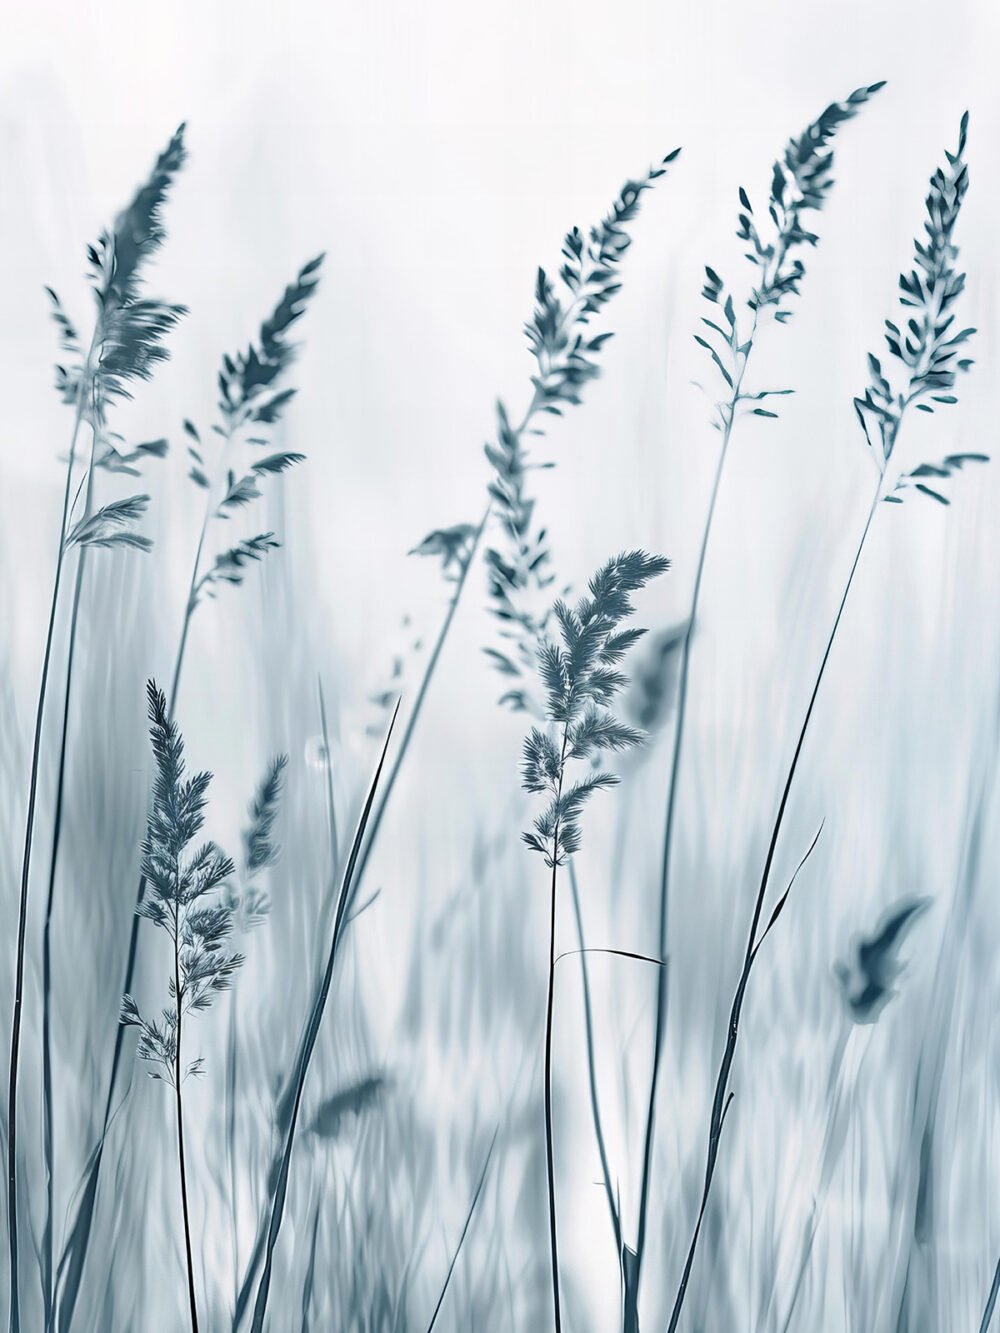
(437,153)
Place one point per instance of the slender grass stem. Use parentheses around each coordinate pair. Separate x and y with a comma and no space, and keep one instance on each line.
(22,916)
(465,1231)
(595,1106)
(78,1243)
(181,1163)
(722,1096)
(830,1155)
(991,1300)
(418,702)
(293,1094)
(677,748)
(232,1059)
(549,1005)
(48,1147)
(189,606)
(47,1081)
(549,1148)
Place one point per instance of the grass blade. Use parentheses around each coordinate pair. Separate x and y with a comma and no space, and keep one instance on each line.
(465,1230)
(293,1095)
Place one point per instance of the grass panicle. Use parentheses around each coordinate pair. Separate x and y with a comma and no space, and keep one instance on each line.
(925,356)
(253,394)
(567,356)
(801,183)
(290,1102)
(179,888)
(579,678)
(939,227)
(126,344)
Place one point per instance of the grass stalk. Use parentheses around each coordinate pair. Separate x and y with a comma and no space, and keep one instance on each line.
(991,1300)
(292,1099)
(676,753)
(801,183)
(46,1248)
(246,398)
(179,1102)
(418,701)
(550,1172)
(580,680)
(722,1096)
(22,911)
(465,1231)
(595,1106)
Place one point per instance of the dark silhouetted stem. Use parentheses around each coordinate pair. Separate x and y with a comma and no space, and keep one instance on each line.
(48,1147)
(189,607)
(75,1251)
(182,1167)
(663,980)
(418,703)
(595,1106)
(292,1097)
(22,913)
(991,1301)
(465,1231)
(549,1004)
(549,1152)
(722,1095)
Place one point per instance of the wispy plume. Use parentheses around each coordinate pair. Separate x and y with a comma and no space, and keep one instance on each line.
(179,884)
(580,678)
(126,344)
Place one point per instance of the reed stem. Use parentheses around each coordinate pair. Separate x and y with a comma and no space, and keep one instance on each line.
(22,914)
(178,1079)
(722,1096)
(677,748)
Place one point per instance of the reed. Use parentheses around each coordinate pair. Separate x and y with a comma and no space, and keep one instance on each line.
(126,345)
(580,679)
(253,397)
(179,883)
(929,355)
(566,358)
(801,183)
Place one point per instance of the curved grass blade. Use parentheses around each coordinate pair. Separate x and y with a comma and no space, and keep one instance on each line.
(292,1101)
(465,1231)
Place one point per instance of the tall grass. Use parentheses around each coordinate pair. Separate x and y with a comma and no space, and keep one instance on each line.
(126,344)
(364,1151)
(931,362)
(178,883)
(801,182)
(566,358)
(580,679)
(253,396)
